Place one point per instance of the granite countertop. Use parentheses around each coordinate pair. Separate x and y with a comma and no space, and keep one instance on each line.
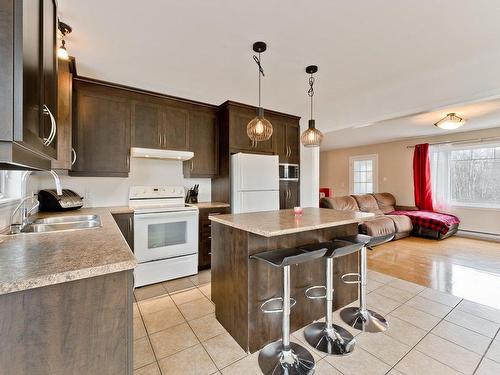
(210,204)
(276,223)
(34,260)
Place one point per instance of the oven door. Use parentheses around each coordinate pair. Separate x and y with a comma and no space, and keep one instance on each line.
(163,235)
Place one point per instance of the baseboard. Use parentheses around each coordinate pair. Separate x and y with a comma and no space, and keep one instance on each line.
(478,235)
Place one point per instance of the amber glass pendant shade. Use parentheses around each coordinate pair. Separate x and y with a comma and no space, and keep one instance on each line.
(259,128)
(311,137)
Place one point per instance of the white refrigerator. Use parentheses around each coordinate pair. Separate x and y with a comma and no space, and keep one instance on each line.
(254,183)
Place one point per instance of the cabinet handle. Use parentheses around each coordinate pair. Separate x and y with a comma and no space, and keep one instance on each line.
(164,140)
(287,151)
(73,156)
(209,253)
(192,164)
(130,224)
(159,139)
(209,237)
(53,126)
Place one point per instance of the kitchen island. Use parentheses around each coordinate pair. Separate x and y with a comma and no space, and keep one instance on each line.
(240,285)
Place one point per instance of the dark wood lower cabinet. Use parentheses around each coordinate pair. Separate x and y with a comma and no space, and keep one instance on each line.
(126,224)
(78,327)
(205,235)
(289,194)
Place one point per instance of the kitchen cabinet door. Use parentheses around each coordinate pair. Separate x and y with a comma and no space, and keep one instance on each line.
(289,194)
(175,128)
(49,76)
(279,135)
(32,130)
(126,224)
(238,137)
(203,138)
(146,125)
(292,142)
(101,132)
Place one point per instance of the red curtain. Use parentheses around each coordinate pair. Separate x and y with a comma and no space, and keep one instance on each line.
(422,177)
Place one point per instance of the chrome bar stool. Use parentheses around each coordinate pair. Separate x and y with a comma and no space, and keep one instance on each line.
(282,356)
(328,337)
(360,317)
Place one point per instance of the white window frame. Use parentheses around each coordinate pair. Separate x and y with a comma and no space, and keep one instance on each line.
(374,159)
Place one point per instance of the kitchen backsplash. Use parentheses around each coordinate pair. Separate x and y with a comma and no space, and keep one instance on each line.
(113,191)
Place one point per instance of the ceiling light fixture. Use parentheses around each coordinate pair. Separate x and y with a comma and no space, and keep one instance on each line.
(259,128)
(450,121)
(311,137)
(65,29)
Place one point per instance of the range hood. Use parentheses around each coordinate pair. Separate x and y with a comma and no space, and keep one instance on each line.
(154,153)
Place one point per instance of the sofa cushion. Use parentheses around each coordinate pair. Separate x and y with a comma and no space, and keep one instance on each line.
(401,223)
(346,203)
(379,226)
(367,203)
(386,202)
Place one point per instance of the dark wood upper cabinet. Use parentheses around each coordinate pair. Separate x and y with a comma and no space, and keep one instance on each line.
(292,142)
(239,117)
(101,131)
(146,125)
(156,125)
(287,135)
(175,128)
(49,75)
(203,141)
(28,83)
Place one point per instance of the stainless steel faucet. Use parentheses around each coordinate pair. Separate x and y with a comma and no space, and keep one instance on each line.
(57,181)
(25,213)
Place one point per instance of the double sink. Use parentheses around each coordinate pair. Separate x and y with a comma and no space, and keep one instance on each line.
(62,223)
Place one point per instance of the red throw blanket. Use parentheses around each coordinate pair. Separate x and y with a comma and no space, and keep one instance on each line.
(431,220)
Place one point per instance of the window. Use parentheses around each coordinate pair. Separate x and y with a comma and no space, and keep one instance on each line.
(10,186)
(363,174)
(467,175)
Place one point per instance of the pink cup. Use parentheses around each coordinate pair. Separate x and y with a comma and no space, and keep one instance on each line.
(298,211)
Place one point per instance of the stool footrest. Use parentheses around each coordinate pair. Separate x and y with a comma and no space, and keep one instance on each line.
(312,288)
(346,278)
(280,310)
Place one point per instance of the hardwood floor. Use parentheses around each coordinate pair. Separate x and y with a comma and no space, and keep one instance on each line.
(465,267)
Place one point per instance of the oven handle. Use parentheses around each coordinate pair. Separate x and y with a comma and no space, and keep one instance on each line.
(166,215)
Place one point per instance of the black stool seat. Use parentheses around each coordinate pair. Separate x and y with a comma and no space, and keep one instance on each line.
(368,241)
(357,238)
(335,248)
(285,257)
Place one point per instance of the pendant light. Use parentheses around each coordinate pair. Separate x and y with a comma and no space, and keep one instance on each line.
(311,137)
(65,29)
(259,128)
(450,121)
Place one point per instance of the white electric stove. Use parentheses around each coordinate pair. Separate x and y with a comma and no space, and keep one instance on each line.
(165,234)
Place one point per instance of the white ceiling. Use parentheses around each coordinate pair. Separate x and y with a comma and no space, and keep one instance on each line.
(480,115)
(378,59)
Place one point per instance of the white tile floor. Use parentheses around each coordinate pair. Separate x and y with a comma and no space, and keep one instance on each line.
(429,333)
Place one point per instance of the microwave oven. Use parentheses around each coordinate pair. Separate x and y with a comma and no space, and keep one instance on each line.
(289,172)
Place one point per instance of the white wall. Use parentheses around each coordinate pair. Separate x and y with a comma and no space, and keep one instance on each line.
(113,191)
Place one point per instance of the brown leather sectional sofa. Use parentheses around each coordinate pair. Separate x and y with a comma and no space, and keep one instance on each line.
(380,204)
